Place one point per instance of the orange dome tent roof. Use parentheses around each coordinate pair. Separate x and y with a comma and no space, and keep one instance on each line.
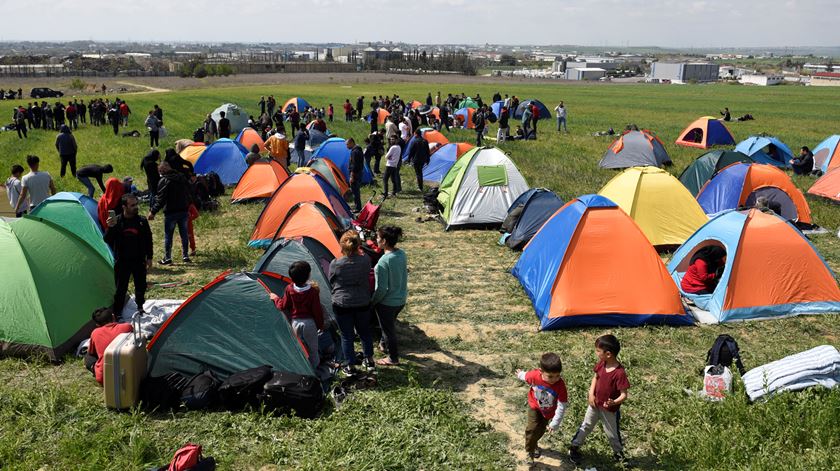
(193,151)
(261,180)
(312,219)
(248,137)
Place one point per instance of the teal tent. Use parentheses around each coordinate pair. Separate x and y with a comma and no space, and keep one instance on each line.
(72,215)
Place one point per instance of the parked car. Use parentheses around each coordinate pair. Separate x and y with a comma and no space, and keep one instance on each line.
(45,93)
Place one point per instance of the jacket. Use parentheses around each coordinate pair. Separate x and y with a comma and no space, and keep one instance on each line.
(173,194)
(419,153)
(65,143)
(130,239)
(350,280)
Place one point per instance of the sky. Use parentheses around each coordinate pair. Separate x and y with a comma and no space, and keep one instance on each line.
(666,23)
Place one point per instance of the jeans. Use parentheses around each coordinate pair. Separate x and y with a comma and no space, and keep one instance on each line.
(356,188)
(387,320)
(68,159)
(353,320)
(391,173)
(169,223)
(561,122)
(301,153)
(86,182)
(154,138)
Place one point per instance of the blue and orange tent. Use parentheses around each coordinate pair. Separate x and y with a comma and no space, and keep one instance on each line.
(741,184)
(827,153)
(575,270)
(704,133)
(466,115)
(226,157)
(248,137)
(381,116)
(299,103)
(520,110)
(771,270)
(766,150)
(335,149)
(441,160)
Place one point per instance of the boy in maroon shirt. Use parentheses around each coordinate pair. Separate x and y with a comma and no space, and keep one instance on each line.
(302,304)
(606,394)
(106,331)
(547,400)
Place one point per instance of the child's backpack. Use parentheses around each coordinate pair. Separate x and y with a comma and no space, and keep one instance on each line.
(723,351)
(243,388)
(201,392)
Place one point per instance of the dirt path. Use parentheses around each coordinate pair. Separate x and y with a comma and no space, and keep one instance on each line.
(148,89)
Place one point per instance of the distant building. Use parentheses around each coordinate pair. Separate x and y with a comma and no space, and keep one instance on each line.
(816,67)
(826,79)
(761,79)
(680,72)
(585,73)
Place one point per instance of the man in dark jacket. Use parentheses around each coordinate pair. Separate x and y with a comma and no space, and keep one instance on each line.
(149,165)
(130,238)
(804,163)
(114,119)
(224,126)
(360,103)
(479,122)
(173,197)
(419,156)
(66,146)
(85,173)
(357,166)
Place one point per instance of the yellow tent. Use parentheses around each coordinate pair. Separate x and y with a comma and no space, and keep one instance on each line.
(192,153)
(661,206)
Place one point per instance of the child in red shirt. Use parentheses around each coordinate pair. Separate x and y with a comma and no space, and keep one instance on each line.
(547,400)
(108,329)
(302,304)
(607,392)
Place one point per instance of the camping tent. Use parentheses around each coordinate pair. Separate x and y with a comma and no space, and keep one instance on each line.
(90,204)
(68,212)
(664,210)
(496,107)
(248,137)
(193,152)
(827,153)
(299,103)
(707,165)
(771,270)
(296,189)
(590,264)
(335,149)
(766,150)
(280,255)
(635,149)
(431,136)
(313,219)
(479,188)
(468,103)
(56,282)
(316,138)
(235,113)
(705,132)
(326,169)
(527,214)
(544,113)
(741,184)
(228,326)
(827,186)
(441,160)
(381,115)
(466,115)
(260,181)
(225,157)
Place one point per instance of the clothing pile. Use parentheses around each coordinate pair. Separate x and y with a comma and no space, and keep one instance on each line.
(819,366)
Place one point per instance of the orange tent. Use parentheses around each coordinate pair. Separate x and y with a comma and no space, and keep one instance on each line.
(261,180)
(248,137)
(435,136)
(312,219)
(828,185)
(193,151)
(704,133)
(296,189)
(415,104)
(575,270)
(328,171)
(382,115)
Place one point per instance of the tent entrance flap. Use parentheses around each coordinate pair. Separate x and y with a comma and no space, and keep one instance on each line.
(492,175)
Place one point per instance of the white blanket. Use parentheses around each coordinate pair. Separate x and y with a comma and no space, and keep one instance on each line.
(819,366)
(157,312)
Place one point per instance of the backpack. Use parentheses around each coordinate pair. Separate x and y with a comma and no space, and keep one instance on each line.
(201,391)
(723,351)
(162,391)
(242,388)
(188,458)
(291,392)
(198,135)
(217,188)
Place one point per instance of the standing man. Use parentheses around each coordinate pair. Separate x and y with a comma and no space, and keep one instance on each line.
(224,126)
(82,109)
(300,145)
(149,165)
(125,111)
(357,165)
(360,104)
(130,238)
(173,197)
(72,115)
(159,114)
(479,122)
(561,116)
(348,110)
(114,118)
(504,126)
(37,186)
(210,130)
(419,156)
(20,122)
(66,146)
(153,124)
(535,116)
(261,104)
(270,104)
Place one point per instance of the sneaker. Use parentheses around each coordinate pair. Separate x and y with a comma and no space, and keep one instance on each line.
(349,370)
(575,455)
(369,364)
(531,458)
(165,261)
(187,260)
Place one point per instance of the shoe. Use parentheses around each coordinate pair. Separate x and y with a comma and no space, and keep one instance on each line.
(349,370)
(620,458)
(165,261)
(192,254)
(575,455)
(187,260)
(531,458)
(369,364)
(537,452)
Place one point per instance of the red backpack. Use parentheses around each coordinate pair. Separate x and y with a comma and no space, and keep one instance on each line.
(188,457)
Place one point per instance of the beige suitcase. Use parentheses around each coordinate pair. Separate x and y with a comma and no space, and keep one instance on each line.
(124,367)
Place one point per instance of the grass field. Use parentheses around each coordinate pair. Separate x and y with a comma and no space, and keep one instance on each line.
(454,403)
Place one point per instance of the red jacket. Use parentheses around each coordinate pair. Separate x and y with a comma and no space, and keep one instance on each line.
(697,278)
(100,338)
(302,304)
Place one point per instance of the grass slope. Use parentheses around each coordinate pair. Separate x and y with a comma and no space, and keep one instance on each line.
(468,325)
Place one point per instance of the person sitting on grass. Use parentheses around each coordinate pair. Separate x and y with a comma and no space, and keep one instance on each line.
(804,163)
(547,399)
(107,329)
(302,305)
(702,275)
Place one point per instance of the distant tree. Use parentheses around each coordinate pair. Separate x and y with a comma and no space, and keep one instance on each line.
(507,59)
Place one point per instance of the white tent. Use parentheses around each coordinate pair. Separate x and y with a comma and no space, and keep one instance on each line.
(236,114)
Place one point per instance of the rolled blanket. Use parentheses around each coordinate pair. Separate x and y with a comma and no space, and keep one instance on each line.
(819,366)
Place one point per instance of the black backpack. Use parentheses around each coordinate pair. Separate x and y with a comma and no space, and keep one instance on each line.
(162,392)
(292,392)
(201,391)
(217,188)
(243,388)
(198,135)
(723,351)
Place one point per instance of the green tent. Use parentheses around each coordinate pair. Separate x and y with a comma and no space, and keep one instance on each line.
(707,165)
(227,326)
(51,282)
(71,215)
(468,103)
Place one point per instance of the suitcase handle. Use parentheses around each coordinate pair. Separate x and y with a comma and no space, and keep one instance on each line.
(135,329)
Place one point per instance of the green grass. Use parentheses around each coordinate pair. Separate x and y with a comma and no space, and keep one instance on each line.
(467,326)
